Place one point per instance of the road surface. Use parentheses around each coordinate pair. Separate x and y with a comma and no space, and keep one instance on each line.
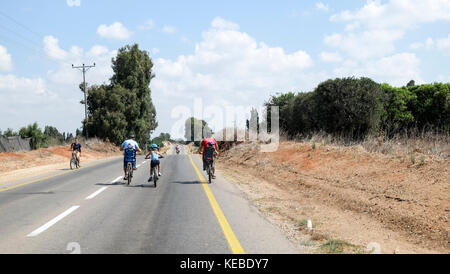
(91,211)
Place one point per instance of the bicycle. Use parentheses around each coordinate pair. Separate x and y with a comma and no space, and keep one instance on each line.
(129,172)
(209,170)
(154,173)
(74,162)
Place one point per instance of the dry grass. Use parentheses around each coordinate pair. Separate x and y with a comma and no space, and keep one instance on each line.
(376,192)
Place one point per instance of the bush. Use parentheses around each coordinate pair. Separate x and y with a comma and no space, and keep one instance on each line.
(353,109)
(35,133)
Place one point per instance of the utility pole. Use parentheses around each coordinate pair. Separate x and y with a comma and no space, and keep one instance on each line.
(84,69)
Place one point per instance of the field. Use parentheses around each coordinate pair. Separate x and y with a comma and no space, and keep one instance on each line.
(354,195)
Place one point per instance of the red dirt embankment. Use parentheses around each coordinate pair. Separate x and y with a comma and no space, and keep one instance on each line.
(93,150)
(400,202)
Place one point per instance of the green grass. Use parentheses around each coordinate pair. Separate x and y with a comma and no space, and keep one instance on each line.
(302,223)
(413,159)
(340,247)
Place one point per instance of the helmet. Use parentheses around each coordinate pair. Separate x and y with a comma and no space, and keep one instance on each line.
(154,146)
(132,136)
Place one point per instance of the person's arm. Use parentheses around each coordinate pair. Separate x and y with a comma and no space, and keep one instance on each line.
(216,146)
(122,147)
(200,149)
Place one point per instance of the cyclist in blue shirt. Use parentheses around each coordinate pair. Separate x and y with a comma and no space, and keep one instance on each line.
(154,160)
(130,148)
(76,148)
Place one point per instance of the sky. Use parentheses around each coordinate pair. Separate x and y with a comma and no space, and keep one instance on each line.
(227,54)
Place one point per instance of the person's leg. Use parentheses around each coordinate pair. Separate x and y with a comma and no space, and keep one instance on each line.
(124,169)
(214,167)
(78,158)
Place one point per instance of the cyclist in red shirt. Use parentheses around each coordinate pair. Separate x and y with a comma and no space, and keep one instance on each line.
(206,143)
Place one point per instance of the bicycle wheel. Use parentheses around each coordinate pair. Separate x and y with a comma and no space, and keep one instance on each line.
(155,176)
(72,164)
(130,173)
(209,174)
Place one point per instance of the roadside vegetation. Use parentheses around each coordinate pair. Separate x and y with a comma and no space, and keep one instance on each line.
(352,110)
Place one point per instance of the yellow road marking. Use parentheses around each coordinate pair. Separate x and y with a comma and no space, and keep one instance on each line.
(45,178)
(232,240)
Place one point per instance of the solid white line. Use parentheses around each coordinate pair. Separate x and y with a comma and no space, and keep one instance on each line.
(117,179)
(96,193)
(52,222)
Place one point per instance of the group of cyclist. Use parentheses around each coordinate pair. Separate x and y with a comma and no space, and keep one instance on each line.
(208,148)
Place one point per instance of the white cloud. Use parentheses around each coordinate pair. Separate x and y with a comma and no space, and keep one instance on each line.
(98,50)
(323,7)
(114,31)
(57,92)
(229,67)
(73,3)
(148,25)
(396,69)
(52,49)
(372,31)
(5,59)
(169,29)
(398,14)
(365,45)
(441,44)
(32,97)
(330,57)
(220,23)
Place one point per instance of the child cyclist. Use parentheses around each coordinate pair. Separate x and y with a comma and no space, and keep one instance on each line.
(155,155)
(129,157)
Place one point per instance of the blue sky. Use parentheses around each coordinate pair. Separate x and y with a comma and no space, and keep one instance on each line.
(232,53)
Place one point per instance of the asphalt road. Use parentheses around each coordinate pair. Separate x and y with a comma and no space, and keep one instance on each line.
(91,210)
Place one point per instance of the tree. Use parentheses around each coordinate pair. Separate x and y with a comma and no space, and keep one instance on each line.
(10,133)
(349,106)
(411,84)
(396,114)
(195,130)
(35,133)
(285,104)
(125,105)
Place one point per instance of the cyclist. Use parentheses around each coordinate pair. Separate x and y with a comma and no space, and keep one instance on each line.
(129,157)
(125,145)
(209,143)
(154,152)
(76,148)
(177,148)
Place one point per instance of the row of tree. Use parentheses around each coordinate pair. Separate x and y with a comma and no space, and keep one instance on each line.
(50,136)
(355,108)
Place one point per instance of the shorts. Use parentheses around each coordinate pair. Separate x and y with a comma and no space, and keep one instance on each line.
(125,163)
(212,163)
(154,163)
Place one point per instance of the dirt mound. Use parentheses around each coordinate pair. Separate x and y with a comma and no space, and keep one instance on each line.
(402,194)
(92,150)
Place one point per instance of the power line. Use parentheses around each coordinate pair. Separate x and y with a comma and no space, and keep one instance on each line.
(21,25)
(21,36)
